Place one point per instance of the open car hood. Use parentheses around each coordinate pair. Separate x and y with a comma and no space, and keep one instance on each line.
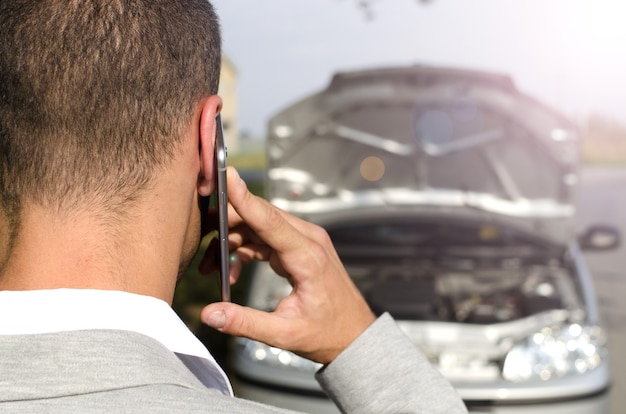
(435,139)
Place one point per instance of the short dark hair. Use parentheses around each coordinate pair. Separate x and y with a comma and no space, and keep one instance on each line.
(95,96)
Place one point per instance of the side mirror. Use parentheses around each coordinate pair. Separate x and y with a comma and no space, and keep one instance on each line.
(599,238)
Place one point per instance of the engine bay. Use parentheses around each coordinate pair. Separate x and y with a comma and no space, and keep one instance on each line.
(459,291)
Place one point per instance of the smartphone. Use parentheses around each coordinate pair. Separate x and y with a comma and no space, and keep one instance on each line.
(221,202)
(222,209)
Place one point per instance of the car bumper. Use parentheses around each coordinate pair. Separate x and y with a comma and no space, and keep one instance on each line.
(597,404)
(317,404)
(292,400)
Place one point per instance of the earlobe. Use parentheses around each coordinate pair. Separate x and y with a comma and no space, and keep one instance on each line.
(207,129)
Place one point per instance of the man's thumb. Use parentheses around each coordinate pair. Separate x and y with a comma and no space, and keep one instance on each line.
(233,319)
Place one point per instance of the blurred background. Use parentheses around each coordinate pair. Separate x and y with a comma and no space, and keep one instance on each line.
(567,53)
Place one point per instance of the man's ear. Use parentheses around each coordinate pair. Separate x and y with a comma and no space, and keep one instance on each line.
(207,129)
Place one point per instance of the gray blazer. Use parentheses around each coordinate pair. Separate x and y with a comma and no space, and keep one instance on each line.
(110,371)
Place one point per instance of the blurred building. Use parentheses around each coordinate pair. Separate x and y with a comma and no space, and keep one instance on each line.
(228,92)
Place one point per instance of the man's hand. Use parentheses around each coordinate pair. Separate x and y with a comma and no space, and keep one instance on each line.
(325,311)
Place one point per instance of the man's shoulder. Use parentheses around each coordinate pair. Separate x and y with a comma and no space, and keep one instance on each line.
(78,362)
(98,371)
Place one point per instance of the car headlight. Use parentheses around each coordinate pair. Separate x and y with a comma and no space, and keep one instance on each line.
(261,353)
(556,352)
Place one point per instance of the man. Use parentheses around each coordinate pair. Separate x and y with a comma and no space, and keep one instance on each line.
(107,121)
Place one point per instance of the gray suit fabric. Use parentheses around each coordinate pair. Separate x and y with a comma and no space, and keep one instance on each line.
(111,371)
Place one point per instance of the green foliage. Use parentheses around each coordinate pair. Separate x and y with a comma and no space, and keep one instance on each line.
(604,141)
(247,161)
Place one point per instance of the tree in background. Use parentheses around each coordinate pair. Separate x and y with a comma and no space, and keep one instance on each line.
(367,6)
(603,141)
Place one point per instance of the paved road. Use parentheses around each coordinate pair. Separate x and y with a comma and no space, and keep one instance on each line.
(602,199)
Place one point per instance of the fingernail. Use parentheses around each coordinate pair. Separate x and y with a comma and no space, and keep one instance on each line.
(216,320)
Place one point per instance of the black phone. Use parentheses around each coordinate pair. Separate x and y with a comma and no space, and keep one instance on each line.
(221,202)
(222,209)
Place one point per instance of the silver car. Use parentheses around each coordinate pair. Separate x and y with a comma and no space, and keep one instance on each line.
(449,196)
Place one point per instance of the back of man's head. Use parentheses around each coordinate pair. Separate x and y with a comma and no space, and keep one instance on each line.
(95,96)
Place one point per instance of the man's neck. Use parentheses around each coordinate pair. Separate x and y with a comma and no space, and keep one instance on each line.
(80,252)
(139,254)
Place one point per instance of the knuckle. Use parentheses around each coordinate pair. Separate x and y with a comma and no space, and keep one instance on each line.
(322,236)
(246,328)
(239,324)
(319,254)
(273,218)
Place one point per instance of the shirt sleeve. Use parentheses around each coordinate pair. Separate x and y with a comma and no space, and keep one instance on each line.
(382,371)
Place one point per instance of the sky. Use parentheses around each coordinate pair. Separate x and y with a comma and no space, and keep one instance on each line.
(571,54)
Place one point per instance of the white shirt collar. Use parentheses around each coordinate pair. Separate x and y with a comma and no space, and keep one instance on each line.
(59,310)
